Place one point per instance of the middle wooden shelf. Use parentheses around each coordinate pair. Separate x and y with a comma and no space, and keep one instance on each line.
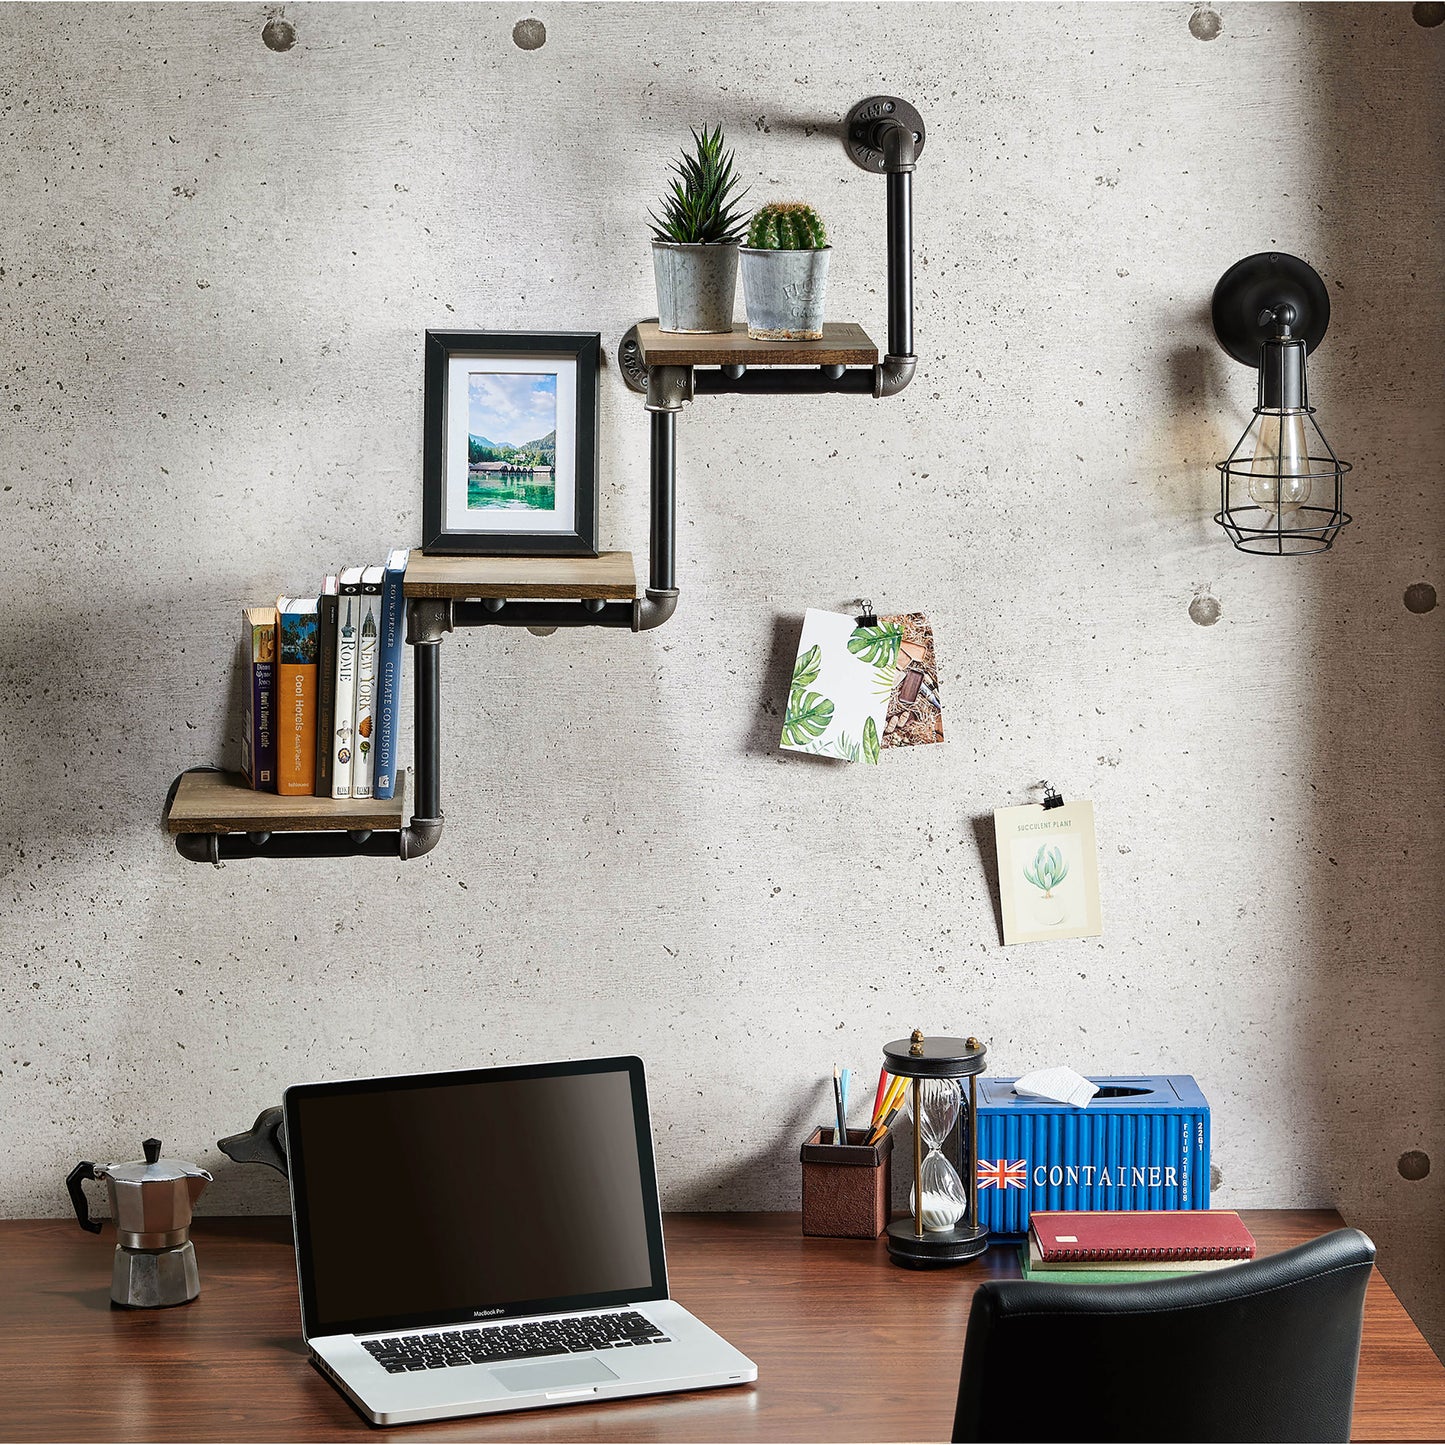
(609,576)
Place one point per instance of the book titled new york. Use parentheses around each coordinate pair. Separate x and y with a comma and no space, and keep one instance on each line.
(367,637)
(343,738)
(325,683)
(390,653)
(258,731)
(1094,1238)
(296,689)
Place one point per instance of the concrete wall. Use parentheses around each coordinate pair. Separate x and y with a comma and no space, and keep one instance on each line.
(219,258)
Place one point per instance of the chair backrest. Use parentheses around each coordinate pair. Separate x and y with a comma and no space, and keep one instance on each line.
(1266,1350)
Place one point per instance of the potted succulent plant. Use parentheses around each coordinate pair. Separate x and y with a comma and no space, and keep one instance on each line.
(785,273)
(695,239)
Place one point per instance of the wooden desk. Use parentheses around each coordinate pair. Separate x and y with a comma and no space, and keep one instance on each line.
(848,1346)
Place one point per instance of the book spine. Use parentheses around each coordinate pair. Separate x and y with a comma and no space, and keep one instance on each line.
(325,690)
(366,650)
(296,733)
(388,684)
(342,739)
(258,736)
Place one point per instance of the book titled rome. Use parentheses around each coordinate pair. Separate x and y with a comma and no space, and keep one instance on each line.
(343,737)
(296,689)
(367,636)
(258,731)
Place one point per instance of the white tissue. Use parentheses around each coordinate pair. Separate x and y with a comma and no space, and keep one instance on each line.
(1062,1085)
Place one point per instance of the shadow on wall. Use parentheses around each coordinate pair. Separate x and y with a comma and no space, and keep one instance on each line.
(76,714)
(1373,890)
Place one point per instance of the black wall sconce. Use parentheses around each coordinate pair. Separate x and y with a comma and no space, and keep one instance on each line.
(1281,487)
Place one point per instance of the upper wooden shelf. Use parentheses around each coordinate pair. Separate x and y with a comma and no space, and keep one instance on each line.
(608,576)
(225,803)
(844,343)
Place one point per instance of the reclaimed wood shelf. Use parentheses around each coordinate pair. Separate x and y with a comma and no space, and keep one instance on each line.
(844,343)
(608,577)
(224,803)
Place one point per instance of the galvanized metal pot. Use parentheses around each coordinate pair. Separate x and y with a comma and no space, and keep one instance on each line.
(784,293)
(696,285)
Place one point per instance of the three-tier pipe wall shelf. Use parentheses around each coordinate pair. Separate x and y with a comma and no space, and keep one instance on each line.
(215,816)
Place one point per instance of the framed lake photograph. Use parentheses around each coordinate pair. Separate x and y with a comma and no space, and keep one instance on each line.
(509,464)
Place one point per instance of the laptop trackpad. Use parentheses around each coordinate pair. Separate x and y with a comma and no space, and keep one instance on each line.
(555,1374)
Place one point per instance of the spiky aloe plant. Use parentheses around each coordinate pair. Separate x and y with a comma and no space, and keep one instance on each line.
(701,206)
(1049,869)
(787,226)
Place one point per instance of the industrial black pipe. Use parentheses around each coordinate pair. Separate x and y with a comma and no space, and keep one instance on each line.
(427,723)
(784,381)
(544,614)
(900,263)
(662,539)
(220,847)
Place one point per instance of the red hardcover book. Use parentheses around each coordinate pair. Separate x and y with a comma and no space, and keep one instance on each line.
(1079,1237)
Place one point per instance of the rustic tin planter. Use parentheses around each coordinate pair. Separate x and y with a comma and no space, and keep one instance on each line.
(784,292)
(696,285)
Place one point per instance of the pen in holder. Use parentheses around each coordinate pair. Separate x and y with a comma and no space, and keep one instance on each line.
(848,1188)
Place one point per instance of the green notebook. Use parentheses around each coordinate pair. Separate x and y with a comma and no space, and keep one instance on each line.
(1093,1276)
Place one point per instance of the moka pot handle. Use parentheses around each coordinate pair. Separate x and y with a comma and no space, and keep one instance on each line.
(84,1170)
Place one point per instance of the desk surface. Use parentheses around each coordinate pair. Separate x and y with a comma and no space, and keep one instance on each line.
(827,1321)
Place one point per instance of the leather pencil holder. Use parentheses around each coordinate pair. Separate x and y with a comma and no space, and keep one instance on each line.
(848,1188)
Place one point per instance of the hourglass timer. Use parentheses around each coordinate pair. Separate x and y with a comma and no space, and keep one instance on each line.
(942,1227)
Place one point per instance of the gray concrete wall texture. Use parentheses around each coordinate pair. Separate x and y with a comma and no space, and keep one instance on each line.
(224,232)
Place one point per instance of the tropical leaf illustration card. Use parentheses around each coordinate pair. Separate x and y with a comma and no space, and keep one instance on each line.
(915,713)
(1048,872)
(842,680)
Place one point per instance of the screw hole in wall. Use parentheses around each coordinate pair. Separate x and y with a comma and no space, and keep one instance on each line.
(279,34)
(1205,24)
(529,34)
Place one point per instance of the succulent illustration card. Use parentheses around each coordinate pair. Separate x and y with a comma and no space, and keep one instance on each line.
(915,713)
(1048,872)
(841,683)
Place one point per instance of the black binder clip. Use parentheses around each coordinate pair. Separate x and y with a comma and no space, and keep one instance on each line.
(1052,798)
(867,617)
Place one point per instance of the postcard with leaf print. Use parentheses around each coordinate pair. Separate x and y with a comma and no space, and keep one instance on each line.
(1048,872)
(915,713)
(841,683)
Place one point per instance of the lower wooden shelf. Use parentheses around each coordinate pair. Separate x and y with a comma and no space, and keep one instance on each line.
(224,803)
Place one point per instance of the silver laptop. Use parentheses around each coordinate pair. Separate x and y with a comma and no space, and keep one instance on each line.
(490,1240)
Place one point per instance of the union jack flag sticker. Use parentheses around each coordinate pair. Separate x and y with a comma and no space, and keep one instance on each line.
(1003,1174)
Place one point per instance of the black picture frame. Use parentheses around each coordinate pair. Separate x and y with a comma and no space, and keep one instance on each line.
(440,532)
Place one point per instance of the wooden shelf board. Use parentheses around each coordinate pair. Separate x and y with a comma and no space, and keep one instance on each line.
(844,343)
(610,576)
(223,803)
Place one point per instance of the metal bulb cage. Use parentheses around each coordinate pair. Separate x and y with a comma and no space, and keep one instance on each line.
(1280,530)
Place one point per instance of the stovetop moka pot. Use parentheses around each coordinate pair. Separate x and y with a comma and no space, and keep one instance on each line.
(150,1202)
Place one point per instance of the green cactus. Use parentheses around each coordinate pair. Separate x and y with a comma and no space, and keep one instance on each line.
(787,226)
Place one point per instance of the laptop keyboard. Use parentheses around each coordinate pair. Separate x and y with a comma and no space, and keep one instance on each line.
(493,1344)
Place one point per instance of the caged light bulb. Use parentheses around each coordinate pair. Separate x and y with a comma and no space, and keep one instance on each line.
(1279,476)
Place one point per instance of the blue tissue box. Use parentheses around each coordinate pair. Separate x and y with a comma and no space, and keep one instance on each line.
(1142,1143)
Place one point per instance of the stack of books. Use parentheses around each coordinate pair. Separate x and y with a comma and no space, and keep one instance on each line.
(323,694)
(1111,1246)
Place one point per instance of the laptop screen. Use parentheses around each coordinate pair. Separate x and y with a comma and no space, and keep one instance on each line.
(437,1198)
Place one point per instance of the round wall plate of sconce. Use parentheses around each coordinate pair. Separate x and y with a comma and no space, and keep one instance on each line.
(860,137)
(1248,294)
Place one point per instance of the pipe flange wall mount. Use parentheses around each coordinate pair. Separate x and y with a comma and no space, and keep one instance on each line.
(867,123)
(629,362)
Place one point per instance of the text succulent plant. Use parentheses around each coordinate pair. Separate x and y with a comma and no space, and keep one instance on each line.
(787,226)
(701,206)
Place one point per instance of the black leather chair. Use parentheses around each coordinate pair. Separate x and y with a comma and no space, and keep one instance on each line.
(1265,1350)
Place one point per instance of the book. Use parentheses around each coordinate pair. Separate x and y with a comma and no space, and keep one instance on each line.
(296,690)
(343,740)
(258,730)
(390,652)
(325,683)
(1088,1270)
(1136,1275)
(367,639)
(1098,1238)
